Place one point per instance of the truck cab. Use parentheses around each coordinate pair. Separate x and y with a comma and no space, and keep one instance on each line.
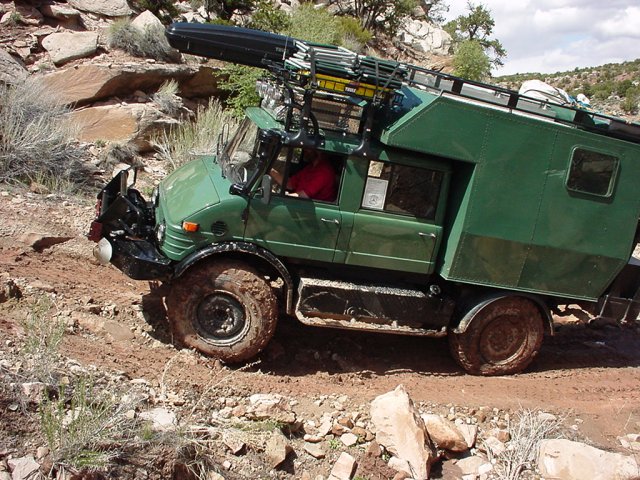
(449,208)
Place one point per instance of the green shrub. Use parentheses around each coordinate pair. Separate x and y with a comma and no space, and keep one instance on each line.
(630,103)
(241,85)
(351,27)
(149,43)
(315,25)
(199,137)
(36,138)
(269,18)
(471,62)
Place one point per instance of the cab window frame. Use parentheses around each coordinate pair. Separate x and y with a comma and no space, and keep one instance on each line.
(436,197)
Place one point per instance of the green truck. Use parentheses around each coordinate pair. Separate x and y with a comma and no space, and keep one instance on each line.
(458,209)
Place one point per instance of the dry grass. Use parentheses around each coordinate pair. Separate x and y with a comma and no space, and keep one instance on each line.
(527,431)
(147,43)
(167,99)
(200,137)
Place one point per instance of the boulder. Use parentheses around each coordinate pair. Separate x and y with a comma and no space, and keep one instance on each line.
(425,37)
(561,459)
(12,71)
(444,433)
(66,46)
(148,21)
(88,83)
(402,432)
(470,465)
(120,123)
(107,8)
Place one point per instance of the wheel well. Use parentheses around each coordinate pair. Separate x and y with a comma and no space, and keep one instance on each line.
(260,259)
(474,304)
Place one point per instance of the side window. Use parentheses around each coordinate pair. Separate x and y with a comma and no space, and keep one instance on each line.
(592,172)
(308,173)
(402,189)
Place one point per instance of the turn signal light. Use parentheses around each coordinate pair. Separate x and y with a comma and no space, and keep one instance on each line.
(190,227)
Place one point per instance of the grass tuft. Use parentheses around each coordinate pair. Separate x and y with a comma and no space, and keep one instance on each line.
(147,43)
(200,137)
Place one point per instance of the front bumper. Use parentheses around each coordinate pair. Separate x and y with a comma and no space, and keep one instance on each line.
(123,229)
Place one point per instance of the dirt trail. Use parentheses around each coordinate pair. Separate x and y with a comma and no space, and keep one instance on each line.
(590,375)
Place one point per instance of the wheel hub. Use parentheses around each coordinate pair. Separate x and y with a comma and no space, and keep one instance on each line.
(220,317)
(502,339)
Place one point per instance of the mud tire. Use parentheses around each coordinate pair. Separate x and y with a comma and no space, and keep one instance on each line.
(503,338)
(223,309)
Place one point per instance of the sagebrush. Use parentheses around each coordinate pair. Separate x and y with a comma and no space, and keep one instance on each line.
(37,139)
(149,42)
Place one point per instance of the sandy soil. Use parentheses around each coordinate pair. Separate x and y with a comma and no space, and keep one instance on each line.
(588,374)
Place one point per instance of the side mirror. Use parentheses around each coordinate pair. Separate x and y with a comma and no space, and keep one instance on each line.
(236,189)
(265,186)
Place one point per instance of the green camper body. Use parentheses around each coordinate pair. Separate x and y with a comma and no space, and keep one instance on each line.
(462,209)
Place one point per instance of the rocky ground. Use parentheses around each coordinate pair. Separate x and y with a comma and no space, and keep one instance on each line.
(305,405)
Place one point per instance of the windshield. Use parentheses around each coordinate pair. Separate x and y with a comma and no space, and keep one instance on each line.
(239,160)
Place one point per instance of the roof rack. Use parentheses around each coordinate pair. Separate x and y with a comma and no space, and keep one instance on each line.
(343,74)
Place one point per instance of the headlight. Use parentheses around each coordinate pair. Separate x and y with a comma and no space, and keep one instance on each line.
(160,232)
(155,194)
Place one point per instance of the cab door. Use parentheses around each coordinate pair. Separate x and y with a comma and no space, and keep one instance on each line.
(291,226)
(395,226)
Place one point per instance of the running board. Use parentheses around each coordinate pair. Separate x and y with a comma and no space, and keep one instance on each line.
(372,308)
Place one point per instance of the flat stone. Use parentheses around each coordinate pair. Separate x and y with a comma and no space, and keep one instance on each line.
(349,439)
(470,465)
(23,468)
(444,434)
(107,8)
(314,449)
(343,468)
(560,459)
(12,71)
(66,46)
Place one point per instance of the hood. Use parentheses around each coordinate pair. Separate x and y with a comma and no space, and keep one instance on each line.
(188,190)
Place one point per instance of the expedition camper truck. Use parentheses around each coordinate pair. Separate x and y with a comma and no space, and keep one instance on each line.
(462,209)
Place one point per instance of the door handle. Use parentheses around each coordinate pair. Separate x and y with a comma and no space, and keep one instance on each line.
(428,235)
(330,220)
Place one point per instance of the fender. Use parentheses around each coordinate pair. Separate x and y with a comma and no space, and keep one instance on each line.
(470,315)
(243,248)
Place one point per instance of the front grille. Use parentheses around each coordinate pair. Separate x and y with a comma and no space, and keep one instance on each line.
(219,228)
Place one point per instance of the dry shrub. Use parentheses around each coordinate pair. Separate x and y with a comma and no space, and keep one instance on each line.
(148,43)
(36,138)
(167,99)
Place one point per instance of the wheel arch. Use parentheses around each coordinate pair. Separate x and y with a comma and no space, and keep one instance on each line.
(256,256)
(479,303)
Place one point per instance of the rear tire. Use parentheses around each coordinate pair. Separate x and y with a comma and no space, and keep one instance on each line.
(503,338)
(225,310)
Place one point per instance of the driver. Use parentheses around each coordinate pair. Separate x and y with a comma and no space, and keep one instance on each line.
(317,180)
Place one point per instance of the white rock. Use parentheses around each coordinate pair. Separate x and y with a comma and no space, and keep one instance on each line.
(349,439)
(343,468)
(425,37)
(561,459)
(444,434)
(23,468)
(470,434)
(495,445)
(12,71)
(66,46)
(270,406)
(162,419)
(314,449)
(401,431)
(34,391)
(470,465)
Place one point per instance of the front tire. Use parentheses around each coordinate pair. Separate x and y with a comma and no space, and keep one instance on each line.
(225,310)
(503,338)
